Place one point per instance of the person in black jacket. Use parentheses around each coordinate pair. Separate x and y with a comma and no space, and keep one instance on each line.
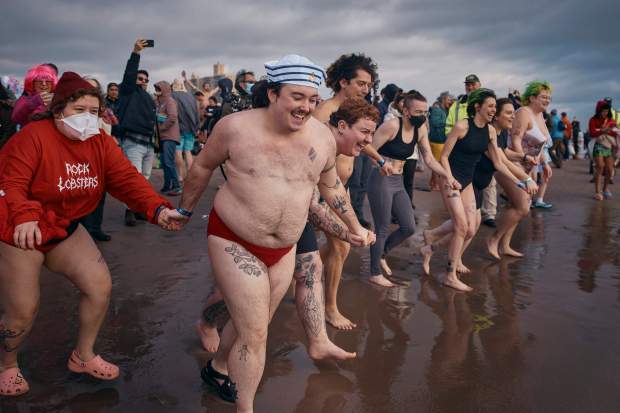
(137,116)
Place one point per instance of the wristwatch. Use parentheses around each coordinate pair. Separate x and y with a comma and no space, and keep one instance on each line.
(381,162)
(185,212)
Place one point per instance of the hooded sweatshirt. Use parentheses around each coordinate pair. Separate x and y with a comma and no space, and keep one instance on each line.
(49,178)
(167,114)
(189,119)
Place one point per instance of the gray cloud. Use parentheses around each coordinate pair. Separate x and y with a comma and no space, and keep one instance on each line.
(423,44)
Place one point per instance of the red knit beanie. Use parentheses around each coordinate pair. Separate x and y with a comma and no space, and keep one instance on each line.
(67,85)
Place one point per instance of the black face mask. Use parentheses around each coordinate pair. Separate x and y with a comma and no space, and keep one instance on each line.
(417,121)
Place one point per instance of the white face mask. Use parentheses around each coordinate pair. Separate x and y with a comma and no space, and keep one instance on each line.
(80,126)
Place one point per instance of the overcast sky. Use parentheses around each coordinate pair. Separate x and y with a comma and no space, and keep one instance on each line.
(429,45)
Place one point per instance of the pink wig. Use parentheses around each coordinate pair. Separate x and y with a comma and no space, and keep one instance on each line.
(39,72)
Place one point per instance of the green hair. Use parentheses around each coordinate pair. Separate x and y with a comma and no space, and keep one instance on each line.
(477,96)
(533,89)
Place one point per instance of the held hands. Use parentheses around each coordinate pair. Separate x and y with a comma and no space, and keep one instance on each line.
(27,235)
(363,238)
(454,184)
(171,220)
(139,45)
(531,160)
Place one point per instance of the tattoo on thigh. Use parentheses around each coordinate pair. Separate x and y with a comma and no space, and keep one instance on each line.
(243,353)
(312,154)
(248,263)
(339,203)
(216,314)
(453,194)
(7,334)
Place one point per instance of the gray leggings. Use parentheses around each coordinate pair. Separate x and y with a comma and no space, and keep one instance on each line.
(387,196)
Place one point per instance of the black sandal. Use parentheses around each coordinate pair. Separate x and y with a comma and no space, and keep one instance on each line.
(227,390)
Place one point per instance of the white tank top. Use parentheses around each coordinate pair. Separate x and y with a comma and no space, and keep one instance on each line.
(534,139)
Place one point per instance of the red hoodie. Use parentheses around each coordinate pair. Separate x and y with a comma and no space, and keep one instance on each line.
(49,178)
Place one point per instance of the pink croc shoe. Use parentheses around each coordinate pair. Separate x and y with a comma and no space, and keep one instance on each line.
(97,367)
(12,383)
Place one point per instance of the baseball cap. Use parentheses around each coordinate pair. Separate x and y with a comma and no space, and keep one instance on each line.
(472,79)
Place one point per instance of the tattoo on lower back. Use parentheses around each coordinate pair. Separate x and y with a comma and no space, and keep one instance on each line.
(339,203)
(243,353)
(8,334)
(216,314)
(248,263)
(312,154)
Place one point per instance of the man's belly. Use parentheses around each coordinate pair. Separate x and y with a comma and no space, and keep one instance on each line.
(269,218)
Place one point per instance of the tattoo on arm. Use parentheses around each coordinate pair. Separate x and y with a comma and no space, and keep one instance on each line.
(248,263)
(312,154)
(339,203)
(335,186)
(329,168)
(324,219)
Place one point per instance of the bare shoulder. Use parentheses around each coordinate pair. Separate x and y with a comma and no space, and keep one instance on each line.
(492,132)
(390,127)
(325,109)
(462,126)
(320,133)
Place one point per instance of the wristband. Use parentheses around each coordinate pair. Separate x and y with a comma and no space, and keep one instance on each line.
(159,209)
(529,179)
(381,162)
(185,212)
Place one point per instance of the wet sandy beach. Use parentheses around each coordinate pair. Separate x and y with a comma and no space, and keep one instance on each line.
(539,334)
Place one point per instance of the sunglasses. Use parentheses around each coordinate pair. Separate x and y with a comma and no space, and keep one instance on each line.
(143,79)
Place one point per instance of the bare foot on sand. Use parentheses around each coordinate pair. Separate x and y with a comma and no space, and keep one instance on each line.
(337,320)
(380,280)
(427,254)
(209,336)
(328,350)
(493,247)
(385,267)
(462,269)
(455,283)
(506,250)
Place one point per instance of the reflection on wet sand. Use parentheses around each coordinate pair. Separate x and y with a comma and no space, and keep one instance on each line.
(528,339)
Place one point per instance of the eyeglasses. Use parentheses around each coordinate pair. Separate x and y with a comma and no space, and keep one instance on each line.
(545,97)
(143,79)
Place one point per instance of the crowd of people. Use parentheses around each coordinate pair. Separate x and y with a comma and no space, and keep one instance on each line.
(294,164)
